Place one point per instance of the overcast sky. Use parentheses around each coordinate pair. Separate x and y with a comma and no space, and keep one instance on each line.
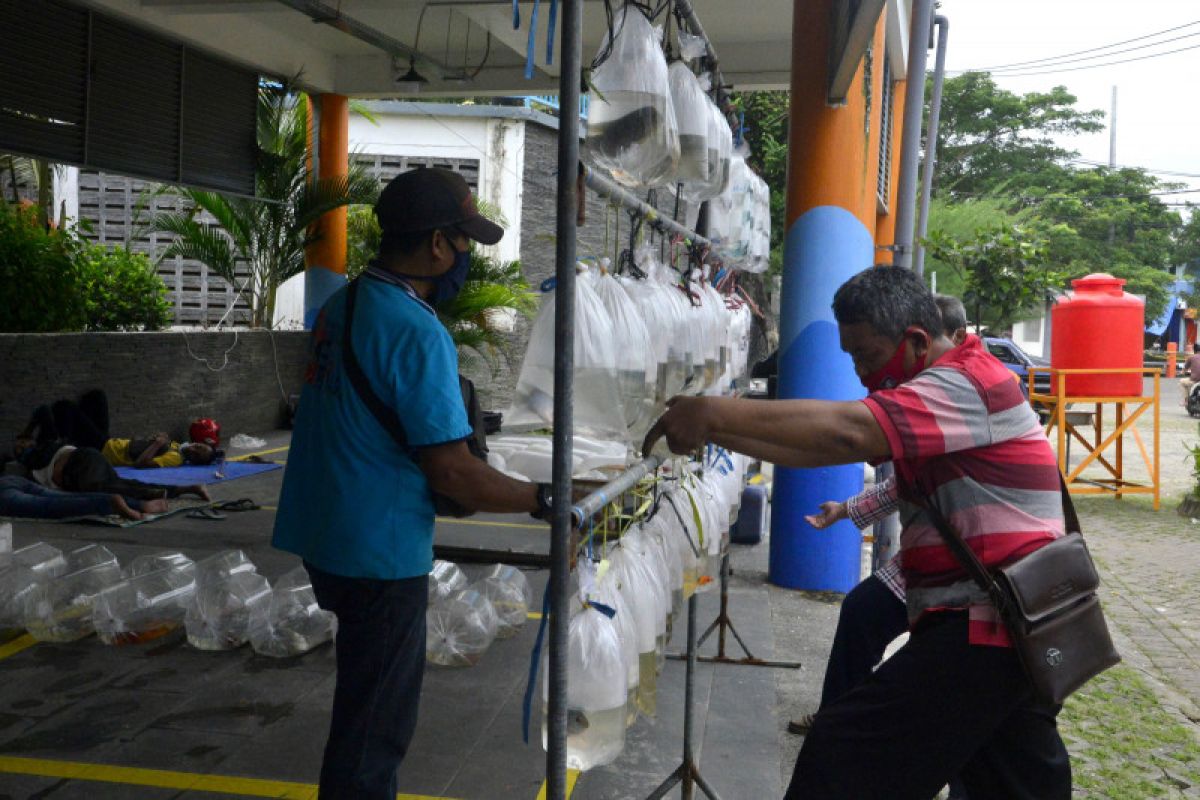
(1158,99)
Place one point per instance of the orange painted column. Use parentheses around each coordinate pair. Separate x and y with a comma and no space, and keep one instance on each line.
(885,223)
(833,155)
(325,259)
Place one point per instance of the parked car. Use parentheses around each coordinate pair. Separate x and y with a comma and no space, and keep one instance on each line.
(1017,360)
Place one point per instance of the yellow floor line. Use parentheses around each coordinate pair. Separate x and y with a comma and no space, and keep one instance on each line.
(269,508)
(166,779)
(261,453)
(22,642)
(485,523)
(533,615)
(572,776)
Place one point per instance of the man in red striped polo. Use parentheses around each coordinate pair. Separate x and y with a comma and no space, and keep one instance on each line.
(954,700)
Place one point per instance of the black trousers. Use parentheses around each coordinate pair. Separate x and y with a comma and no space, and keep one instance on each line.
(937,708)
(870,618)
(380,663)
(87,470)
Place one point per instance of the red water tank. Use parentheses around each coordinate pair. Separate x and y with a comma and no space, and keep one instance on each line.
(1098,326)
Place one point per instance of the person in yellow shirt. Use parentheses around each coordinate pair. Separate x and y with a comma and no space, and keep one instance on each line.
(158,451)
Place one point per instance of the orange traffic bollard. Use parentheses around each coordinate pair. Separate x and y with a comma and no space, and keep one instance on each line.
(1172,348)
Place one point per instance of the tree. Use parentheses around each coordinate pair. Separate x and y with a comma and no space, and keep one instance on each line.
(1005,273)
(765,117)
(269,232)
(990,138)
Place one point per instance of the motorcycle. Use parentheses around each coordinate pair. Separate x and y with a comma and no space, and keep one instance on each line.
(1193,401)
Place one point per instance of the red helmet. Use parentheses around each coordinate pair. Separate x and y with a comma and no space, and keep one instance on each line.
(205,430)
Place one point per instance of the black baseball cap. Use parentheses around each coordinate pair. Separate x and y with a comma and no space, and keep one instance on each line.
(430,198)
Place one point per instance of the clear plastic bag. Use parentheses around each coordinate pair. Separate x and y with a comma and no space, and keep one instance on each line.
(91,555)
(224,563)
(154,562)
(460,629)
(225,608)
(243,441)
(636,369)
(145,607)
(693,117)
(60,609)
(43,560)
(507,589)
(608,592)
(295,623)
(17,581)
(638,584)
(631,131)
(684,533)
(596,691)
(445,579)
(597,409)
(658,530)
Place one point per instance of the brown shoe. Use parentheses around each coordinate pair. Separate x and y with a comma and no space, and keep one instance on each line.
(802,725)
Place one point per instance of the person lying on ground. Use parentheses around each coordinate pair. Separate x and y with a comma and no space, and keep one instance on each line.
(157,451)
(84,469)
(20,497)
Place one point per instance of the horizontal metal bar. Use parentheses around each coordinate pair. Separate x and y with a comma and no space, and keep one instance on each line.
(607,188)
(591,505)
(475,555)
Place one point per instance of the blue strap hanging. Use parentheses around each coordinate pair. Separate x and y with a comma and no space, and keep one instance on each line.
(535,660)
(516,15)
(532,43)
(550,33)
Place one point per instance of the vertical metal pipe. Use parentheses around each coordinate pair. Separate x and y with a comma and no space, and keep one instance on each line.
(688,691)
(910,145)
(564,365)
(935,114)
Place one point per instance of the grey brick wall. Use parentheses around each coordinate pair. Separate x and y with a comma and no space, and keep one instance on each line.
(152,380)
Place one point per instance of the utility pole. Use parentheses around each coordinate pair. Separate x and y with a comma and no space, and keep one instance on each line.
(1112,155)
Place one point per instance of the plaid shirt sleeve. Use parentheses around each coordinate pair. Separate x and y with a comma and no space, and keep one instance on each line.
(873,504)
(892,577)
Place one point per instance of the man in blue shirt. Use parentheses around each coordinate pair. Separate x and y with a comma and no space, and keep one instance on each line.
(355,505)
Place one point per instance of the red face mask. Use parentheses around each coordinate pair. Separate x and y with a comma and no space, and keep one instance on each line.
(892,374)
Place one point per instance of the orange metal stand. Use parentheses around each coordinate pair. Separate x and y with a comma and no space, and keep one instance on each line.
(1127,411)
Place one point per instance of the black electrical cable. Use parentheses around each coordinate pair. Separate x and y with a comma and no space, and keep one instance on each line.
(1081,52)
(1096,66)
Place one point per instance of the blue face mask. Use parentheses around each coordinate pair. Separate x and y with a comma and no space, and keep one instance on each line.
(450,283)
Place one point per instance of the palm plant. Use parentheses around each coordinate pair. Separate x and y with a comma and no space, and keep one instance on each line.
(270,231)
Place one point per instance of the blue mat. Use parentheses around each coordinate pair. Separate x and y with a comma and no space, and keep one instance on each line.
(187,476)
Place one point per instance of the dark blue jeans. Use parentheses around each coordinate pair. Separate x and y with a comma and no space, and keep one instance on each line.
(380,663)
(20,497)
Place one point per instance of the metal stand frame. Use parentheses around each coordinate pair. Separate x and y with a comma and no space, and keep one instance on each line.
(687,774)
(719,625)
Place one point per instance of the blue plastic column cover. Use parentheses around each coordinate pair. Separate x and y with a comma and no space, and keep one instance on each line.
(825,246)
(319,284)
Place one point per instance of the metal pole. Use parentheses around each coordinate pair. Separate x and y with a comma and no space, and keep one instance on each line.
(935,114)
(610,190)
(564,365)
(910,145)
(591,505)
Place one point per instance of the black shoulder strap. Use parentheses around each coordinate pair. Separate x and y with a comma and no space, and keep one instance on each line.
(384,414)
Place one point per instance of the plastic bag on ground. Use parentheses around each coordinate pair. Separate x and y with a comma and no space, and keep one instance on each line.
(507,589)
(460,629)
(295,623)
(154,562)
(16,583)
(60,609)
(631,130)
(43,560)
(596,691)
(5,544)
(226,562)
(225,608)
(242,441)
(144,607)
(597,408)
(445,579)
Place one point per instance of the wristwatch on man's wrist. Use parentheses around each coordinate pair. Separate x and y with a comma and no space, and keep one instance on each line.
(545,501)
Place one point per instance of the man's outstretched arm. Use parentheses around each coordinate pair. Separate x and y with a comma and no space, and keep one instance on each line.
(792,433)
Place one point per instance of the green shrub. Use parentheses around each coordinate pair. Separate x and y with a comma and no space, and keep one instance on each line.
(51,280)
(39,275)
(122,291)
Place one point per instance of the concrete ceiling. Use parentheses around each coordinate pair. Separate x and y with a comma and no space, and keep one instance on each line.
(752,38)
